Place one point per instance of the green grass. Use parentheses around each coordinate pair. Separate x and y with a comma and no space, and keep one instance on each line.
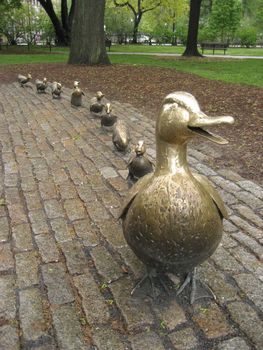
(245,71)
(180,49)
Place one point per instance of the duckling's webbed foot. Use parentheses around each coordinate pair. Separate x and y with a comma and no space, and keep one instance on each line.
(155,279)
(191,279)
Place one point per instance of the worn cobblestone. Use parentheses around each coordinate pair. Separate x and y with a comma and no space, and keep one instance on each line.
(66,271)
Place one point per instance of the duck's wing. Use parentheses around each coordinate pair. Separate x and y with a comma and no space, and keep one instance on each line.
(208,187)
(137,187)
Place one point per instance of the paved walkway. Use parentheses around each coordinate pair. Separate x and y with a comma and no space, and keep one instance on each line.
(180,55)
(65,269)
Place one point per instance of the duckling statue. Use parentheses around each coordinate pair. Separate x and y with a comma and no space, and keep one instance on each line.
(121,136)
(23,80)
(172,219)
(56,90)
(139,165)
(96,105)
(41,85)
(76,96)
(75,84)
(108,119)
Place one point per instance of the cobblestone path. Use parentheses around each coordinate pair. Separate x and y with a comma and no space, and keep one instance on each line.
(65,269)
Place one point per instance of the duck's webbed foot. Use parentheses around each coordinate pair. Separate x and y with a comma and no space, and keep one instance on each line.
(156,279)
(191,279)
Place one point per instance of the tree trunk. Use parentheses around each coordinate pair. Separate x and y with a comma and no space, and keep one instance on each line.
(61,36)
(137,20)
(191,44)
(87,34)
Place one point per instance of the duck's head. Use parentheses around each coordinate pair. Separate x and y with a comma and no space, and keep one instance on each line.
(29,76)
(181,119)
(45,80)
(76,84)
(108,108)
(140,148)
(99,95)
(59,86)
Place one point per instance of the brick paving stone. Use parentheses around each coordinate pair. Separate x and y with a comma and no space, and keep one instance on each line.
(75,258)
(228,227)
(47,190)
(108,172)
(223,290)
(53,209)
(37,216)
(251,187)
(47,248)
(57,283)
(97,310)
(33,200)
(233,344)
(7,297)
(136,266)
(212,321)
(68,329)
(28,184)
(147,340)
(32,323)
(97,212)
(17,214)
(27,268)
(4,231)
(11,180)
(248,260)
(22,237)
(184,339)
(136,310)
(252,287)
(12,195)
(63,232)
(67,191)
(248,321)
(169,312)
(86,193)
(108,339)
(6,257)
(75,209)
(112,231)
(242,224)
(86,230)
(105,264)
(250,215)
(228,242)
(249,199)
(255,247)
(9,339)
(225,261)
(39,227)
(226,184)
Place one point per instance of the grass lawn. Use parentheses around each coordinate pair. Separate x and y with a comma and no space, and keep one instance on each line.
(241,71)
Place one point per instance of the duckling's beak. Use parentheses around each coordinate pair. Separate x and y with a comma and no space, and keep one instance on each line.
(200,120)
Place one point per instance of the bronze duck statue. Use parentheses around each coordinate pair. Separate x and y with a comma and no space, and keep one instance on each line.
(76,96)
(56,89)
(108,119)
(121,136)
(23,79)
(96,105)
(172,219)
(139,165)
(41,85)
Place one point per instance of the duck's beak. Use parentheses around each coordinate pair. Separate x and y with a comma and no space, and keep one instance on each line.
(200,120)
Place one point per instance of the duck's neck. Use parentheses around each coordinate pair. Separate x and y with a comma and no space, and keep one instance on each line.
(171,158)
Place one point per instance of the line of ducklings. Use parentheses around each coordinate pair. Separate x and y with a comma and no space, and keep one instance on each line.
(41,85)
(138,165)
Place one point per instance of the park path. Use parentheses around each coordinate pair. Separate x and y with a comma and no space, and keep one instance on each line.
(65,269)
(180,55)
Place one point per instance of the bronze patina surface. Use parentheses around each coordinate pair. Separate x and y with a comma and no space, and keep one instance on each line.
(76,96)
(139,165)
(121,136)
(172,219)
(108,119)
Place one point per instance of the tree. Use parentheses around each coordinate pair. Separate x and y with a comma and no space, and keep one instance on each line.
(118,22)
(138,8)
(225,18)
(191,43)
(88,38)
(62,27)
